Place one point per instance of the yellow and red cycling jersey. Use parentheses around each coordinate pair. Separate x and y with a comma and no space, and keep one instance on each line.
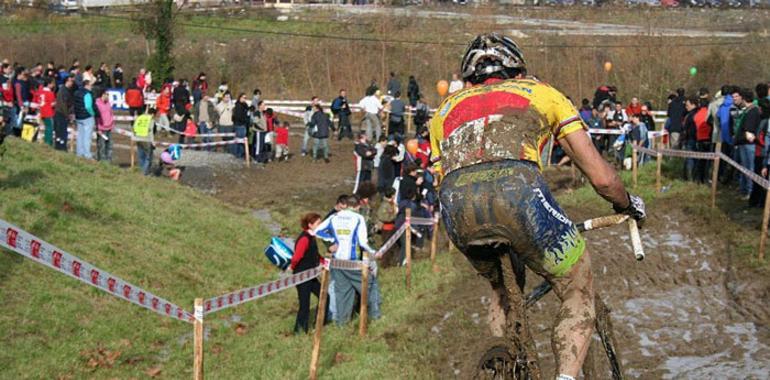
(511,119)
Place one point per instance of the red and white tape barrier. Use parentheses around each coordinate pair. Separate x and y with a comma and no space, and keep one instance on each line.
(242,296)
(41,252)
(199,145)
(754,177)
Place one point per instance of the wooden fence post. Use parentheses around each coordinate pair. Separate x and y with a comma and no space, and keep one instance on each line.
(659,163)
(246,147)
(198,340)
(363,313)
(132,150)
(408,238)
(765,217)
(409,121)
(715,175)
(434,243)
(634,168)
(319,324)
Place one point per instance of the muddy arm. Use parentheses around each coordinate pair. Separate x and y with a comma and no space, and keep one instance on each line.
(602,176)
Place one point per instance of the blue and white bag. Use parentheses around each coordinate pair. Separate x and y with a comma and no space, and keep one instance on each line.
(279,253)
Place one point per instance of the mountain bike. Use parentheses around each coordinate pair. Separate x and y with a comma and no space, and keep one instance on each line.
(515,356)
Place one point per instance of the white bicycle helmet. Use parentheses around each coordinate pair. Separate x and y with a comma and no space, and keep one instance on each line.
(490,54)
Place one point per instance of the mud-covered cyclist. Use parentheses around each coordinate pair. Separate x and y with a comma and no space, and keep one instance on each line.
(489,140)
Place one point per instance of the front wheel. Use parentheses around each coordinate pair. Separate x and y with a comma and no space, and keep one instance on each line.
(499,362)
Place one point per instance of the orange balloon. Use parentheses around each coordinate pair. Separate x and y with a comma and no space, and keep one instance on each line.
(607,66)
(411,147)
(442,87)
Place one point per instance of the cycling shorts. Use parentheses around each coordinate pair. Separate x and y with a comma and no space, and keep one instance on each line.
(507,203)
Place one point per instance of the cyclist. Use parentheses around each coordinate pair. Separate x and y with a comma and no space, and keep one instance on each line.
(489,139)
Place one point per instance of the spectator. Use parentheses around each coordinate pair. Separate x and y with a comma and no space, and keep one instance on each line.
(394,85)
(746,126)
(117,76)
(386,172)
(347,229)
(241,121)
(199,87)
(372,107)
(103,80)
(341,109)
(396,120)
(585,110)
(143,136)
(411,180)
(205,114)
(646,117)
(256,97)
(282,142)
(163,105)
(456,84)
(687,138)
(307,118)
(373,88)
(141,79)
(105,122)
(85,119)
(320,125)
(407,201)
(634,108)
(617,116)
(47,101)
(182,106)
(306,256)
(676,112)
(225,112)
(423,147)
(88,75)
(723,122)
(413,91)
(364,155)
(341,204)
(22,92)
(134,99)
(604,96)
(597,120)
(385,219)
(7,98)
(421,114)
(379,147)
(63,110)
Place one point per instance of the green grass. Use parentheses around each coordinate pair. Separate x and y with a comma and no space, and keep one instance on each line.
(181,244)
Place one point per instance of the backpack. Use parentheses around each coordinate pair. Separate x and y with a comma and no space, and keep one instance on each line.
(421,116)
(279,253)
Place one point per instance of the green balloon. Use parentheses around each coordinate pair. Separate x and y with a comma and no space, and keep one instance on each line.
(693,71)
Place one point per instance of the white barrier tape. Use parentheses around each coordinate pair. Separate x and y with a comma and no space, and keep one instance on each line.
(354,265)
(754,177)
(598,131)
(424,221)
(648,151)
(39,251)
(199,145)
(242,296)
(688,154)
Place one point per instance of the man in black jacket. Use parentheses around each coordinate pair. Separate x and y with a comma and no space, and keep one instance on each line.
(320,125)
(746,127)
(676,112)
(63,110)
(341,109)
(364,154)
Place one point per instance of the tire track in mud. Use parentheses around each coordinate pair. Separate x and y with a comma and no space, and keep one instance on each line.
(684,312)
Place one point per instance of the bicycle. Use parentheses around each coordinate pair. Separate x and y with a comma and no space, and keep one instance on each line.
(515,356)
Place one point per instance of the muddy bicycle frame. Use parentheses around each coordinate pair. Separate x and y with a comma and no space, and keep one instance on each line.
(517,325)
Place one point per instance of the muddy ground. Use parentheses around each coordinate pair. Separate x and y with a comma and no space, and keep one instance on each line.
(684,312)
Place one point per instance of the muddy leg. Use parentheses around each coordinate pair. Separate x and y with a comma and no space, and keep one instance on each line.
(517,326)
(575,321)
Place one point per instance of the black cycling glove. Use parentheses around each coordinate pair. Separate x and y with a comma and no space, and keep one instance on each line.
(635,209)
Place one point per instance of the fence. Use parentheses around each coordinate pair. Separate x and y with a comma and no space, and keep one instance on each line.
(717,157)
(33,248)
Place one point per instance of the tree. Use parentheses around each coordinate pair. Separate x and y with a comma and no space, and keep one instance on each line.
(156,22)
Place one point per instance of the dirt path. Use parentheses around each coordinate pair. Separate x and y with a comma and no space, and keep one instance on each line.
(684,312)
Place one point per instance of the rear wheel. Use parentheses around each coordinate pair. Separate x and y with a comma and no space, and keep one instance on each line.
(499,362)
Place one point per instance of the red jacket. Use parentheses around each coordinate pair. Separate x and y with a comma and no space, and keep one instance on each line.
(282,136)
(633,110)
(702,126)
(46,99)
(163,103)
(134,98)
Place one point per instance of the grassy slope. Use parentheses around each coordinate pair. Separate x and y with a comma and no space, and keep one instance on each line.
(181,244)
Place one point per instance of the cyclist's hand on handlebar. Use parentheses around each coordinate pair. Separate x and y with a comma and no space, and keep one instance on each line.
(635,209)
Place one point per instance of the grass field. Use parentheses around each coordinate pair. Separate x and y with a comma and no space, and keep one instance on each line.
(181,244)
